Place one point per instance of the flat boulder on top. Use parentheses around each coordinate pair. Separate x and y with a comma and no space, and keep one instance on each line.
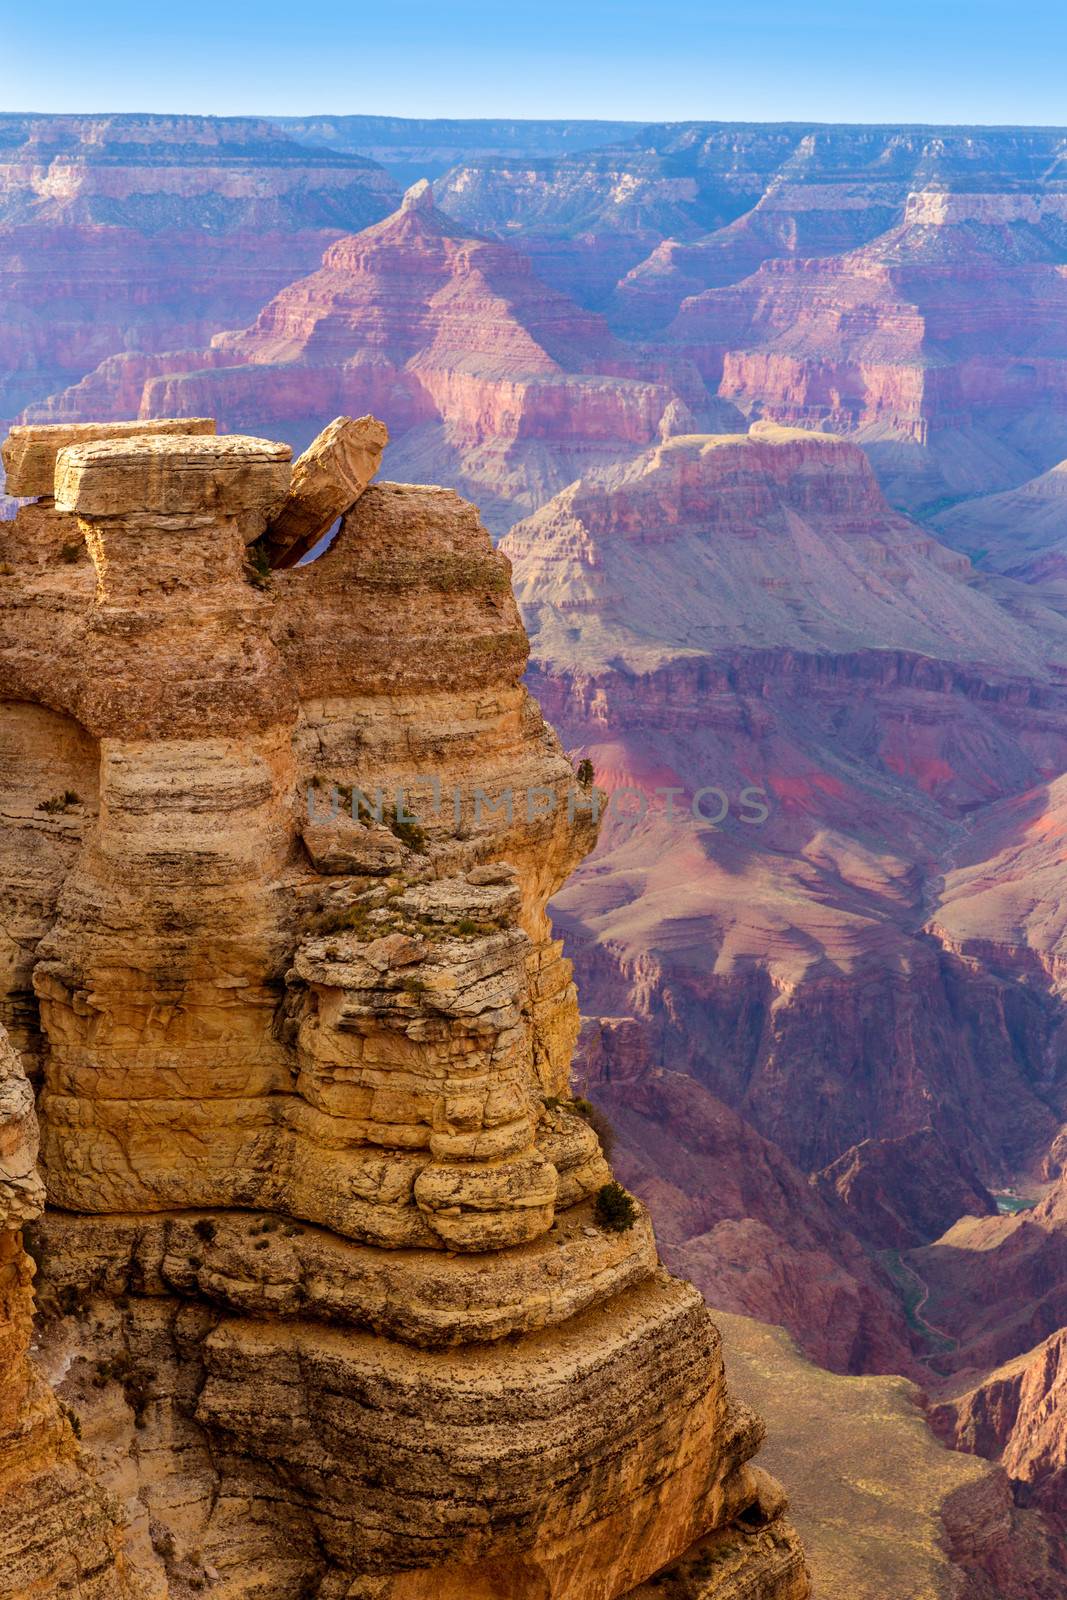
(327,481)
(236,476)
(29,452)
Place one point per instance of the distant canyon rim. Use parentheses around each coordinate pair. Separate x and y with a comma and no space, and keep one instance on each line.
(769,426)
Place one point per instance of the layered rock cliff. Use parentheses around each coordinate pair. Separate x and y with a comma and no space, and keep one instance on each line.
(338,1284)
(60,1532)
(743,624)
(149,233)
(939,344)
(490,380)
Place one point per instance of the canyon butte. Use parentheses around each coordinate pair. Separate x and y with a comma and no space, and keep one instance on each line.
(335,1296)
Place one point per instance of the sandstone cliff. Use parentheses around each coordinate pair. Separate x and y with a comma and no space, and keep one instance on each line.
(332,1286)
(60,1532)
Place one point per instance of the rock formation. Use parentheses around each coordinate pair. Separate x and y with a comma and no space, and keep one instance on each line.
(647,219)
(745,619)
(940,344)
(121,233)
(734,1214)
(486,376)
(906,1191)
(337,1295)
(882,1509)
(59,1533)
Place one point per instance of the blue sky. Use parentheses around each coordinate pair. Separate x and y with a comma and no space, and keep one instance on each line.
(915,60)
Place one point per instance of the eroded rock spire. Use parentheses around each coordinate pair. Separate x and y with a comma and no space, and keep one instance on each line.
(327,1221)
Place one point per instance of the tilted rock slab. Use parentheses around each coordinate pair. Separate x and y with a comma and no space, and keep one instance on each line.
(339,1317)
(327,481)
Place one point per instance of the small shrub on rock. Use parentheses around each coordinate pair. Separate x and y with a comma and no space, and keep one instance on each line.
(615,1208)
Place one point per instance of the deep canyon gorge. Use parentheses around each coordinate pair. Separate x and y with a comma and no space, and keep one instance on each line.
(768,424)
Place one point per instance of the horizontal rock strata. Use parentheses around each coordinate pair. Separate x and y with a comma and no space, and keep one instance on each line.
(326,1234)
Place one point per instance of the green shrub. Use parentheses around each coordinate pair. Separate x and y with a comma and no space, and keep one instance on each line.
(615,1208)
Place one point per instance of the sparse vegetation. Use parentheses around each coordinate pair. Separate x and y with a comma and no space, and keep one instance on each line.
(589,1113)
(615,1208)
(56,804)
(408,832)
(257,567)
(70,553)
(205,1229)
(586,773)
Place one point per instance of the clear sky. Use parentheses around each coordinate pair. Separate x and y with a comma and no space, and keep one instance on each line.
(983,61)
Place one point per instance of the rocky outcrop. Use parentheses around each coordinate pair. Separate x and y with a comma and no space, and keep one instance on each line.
(330,1220)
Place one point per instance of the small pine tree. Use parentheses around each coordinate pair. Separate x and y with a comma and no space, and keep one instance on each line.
(615,1208)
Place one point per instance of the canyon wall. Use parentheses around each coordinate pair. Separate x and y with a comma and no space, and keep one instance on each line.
(150,233)
(492,381)
(779,944)
(825,1017)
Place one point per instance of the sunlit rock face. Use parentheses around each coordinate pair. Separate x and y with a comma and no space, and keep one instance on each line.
(325,1232)
(939,344)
